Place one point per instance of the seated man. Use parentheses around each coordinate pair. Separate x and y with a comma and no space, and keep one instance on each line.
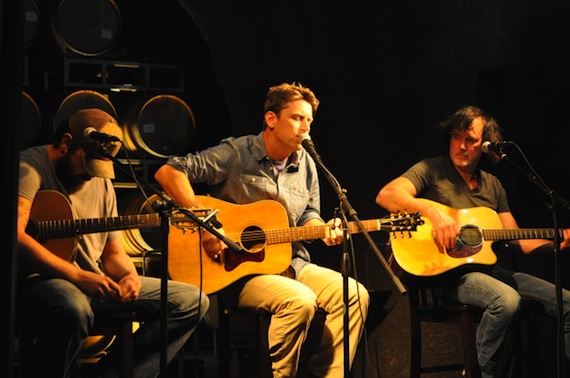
(273,165)
(457,181)
(58,291)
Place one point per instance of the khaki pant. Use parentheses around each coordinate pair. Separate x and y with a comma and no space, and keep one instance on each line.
(293,304)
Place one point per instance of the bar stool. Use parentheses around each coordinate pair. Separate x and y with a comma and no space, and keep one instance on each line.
(232,318)
(425,307)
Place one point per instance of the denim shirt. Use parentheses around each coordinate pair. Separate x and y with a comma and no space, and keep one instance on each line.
(238,170)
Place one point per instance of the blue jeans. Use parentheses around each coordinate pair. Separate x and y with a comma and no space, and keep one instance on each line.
(61,316)
(499,294)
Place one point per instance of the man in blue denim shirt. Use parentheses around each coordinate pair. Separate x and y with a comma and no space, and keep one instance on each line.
(273,165)
(457,181)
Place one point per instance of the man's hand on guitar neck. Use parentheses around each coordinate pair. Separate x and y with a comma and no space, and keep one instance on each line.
(334,234)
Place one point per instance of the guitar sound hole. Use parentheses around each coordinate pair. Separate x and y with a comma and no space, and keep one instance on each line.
(471,236)
(253,239)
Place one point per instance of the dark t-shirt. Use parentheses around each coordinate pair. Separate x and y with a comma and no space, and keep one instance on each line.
(438,180)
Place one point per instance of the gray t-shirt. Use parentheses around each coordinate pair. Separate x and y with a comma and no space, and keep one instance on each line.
(96,199)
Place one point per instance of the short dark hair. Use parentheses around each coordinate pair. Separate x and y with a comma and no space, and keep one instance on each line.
(279,95)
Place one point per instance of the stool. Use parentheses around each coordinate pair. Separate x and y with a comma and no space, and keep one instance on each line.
(259,321)
(121,325)
(110,328)
(425,307)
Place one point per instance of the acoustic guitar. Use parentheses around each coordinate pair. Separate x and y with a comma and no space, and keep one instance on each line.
(52,223)
(424,262)
(262,230)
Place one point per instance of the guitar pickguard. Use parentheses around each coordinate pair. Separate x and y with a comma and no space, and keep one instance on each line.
(235,259)
(253,242)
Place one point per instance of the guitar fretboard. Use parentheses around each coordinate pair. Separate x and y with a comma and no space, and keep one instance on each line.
(318,232)
(54,229)
(523,233)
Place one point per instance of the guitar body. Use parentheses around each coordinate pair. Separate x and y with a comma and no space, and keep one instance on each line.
(52,223)
(50,205)
(424,262)
(187,262)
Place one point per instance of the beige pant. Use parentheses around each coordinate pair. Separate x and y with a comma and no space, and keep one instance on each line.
(293,303)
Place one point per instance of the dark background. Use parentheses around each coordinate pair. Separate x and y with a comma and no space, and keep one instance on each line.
(386,72)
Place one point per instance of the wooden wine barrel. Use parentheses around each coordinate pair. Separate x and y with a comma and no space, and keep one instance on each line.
(161,126)
(139,240)
(86,27)
(30,24)
(83,99)
(31,122)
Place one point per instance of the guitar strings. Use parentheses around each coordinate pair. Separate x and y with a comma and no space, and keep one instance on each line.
(310,232)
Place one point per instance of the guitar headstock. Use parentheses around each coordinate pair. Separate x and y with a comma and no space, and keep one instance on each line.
(402,222)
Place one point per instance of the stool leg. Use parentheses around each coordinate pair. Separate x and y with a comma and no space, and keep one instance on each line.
(416,335)
(262,343)
(127,345)
(469,348)
(223,343)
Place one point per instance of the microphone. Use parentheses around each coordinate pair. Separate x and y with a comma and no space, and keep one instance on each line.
(496,147)
(93,134)
(309,146)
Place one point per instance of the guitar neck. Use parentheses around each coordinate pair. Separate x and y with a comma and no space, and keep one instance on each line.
(55,229)
(523,233)
(318,232)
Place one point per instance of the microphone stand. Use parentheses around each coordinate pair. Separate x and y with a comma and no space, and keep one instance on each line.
(347,208)
(555,201)
(168,206)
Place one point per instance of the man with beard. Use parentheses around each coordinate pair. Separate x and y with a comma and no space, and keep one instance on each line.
(59,291)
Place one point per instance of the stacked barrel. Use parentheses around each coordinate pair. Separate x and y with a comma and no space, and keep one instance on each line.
(74,59)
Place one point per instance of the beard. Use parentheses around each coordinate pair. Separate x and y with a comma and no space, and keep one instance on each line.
(71,181)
